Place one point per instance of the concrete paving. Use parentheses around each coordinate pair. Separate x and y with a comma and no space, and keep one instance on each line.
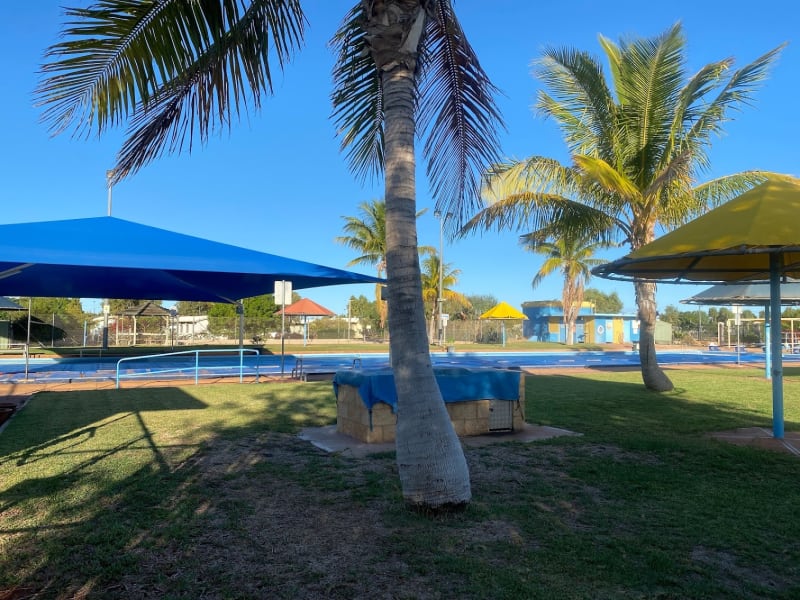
(761,437)
(330,440)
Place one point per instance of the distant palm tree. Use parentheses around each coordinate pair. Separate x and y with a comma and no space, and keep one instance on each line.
(177,71)
(638,145)
(431,265)
(572,257)
(367,235)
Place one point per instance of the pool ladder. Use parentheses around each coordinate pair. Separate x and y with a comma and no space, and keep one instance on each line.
(297,372)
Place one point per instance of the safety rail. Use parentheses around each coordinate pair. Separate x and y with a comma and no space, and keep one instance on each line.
(196,368)
(297,372)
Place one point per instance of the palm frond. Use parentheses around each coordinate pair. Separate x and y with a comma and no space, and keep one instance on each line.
(683,206)
(166,68)
(457,115)
(738,91)
(357,97)
(541,211)
(367,234)
(688,109)
(608,178)
(534,174)
(549,266)
(718,191)
(648,85)
(579,99)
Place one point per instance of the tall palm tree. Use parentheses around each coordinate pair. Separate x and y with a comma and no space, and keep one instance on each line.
(639,145)
(431,266)
(573,257)
(174,70)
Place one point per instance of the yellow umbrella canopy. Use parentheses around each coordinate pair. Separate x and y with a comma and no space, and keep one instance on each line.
(733,242)
(503,311)
(754,237)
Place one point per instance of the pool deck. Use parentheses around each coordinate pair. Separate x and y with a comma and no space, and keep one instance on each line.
(330,440)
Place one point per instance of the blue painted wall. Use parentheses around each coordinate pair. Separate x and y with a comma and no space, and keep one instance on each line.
(545,324)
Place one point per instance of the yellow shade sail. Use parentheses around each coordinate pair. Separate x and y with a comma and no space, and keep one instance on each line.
(733,242)
(503,311)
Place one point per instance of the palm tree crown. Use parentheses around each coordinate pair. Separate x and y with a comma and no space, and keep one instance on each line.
(367,235)
(431,267)
(573,257)
(639,145)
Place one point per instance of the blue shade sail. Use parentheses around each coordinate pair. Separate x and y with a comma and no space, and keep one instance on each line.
(107,257)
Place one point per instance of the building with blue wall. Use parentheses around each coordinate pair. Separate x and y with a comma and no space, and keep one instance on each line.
(546,324)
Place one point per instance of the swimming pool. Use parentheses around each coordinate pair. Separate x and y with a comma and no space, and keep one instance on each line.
(215,365)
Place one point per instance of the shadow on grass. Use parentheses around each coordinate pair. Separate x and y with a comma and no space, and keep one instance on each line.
(95,479)
(604,403)
(56,418)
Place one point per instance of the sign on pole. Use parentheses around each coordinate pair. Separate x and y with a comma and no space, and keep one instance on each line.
(283,297)
(283,293)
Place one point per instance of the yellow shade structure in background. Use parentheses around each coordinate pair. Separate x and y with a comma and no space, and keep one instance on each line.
(503,312)
(754,237)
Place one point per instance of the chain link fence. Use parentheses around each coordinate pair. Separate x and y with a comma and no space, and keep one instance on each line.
(60,331)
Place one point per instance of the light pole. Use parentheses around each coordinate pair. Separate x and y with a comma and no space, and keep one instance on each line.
(699,324)
(440,299)
(109,184)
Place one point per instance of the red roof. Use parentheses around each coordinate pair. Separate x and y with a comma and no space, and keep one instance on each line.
(307,308)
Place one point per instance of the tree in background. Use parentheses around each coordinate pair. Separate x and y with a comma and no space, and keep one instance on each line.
(367,235)
(639,144)
(367,312)
(404,68)
(695,324)
(260,314)
(52,320)
(608,304)
(117,306)
(478,304)
(431,266)
(193,308)
(573,256)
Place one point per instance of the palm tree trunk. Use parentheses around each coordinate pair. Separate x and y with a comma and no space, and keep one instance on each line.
(431,463)
(654,378)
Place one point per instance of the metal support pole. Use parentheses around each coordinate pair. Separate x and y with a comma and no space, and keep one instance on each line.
(28,340)
(106,310)
(240,312)
(775,343)
(440,299)
(767,348)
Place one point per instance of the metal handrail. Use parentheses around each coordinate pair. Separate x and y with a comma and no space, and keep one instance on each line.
(196,368)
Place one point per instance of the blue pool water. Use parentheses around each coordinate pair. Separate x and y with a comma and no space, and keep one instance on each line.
(183,366)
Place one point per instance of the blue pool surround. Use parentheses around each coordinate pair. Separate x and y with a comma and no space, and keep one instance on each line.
(213,366)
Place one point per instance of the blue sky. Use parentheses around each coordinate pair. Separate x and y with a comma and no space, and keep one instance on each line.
(277,182)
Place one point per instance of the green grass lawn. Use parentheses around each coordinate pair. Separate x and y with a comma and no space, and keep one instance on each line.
(206,491)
